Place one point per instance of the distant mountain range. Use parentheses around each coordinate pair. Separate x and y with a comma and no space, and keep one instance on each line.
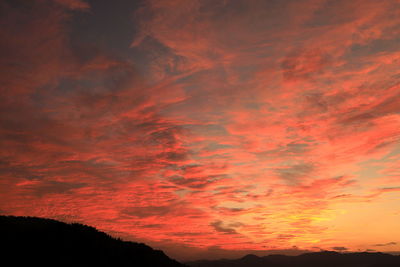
(30,241)
(317,259)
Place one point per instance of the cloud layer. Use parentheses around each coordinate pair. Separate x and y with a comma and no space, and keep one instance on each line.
(205,127)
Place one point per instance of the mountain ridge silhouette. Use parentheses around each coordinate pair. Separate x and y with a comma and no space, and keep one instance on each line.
(312,259)
(33,241)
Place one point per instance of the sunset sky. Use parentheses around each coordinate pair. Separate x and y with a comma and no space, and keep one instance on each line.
(205,128)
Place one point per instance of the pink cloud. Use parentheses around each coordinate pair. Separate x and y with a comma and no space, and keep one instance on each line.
(240,124)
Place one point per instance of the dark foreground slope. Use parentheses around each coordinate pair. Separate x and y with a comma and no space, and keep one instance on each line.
(318,259)
(29,241)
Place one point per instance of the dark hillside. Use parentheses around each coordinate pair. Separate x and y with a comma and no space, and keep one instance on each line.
(30,241)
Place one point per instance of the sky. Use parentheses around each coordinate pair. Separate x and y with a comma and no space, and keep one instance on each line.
(205,128)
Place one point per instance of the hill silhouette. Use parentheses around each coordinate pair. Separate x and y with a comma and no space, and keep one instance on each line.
(31,241)
(317,259)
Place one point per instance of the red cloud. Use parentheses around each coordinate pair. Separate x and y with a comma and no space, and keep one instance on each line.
(240,124)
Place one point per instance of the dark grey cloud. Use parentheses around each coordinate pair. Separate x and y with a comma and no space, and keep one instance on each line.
(147,211)
(340,248)
(107,27)
(385,244)
(201,181)
(387,106)
(326,14)
(304,64)
(293,173)
(54,187)
(218,226)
